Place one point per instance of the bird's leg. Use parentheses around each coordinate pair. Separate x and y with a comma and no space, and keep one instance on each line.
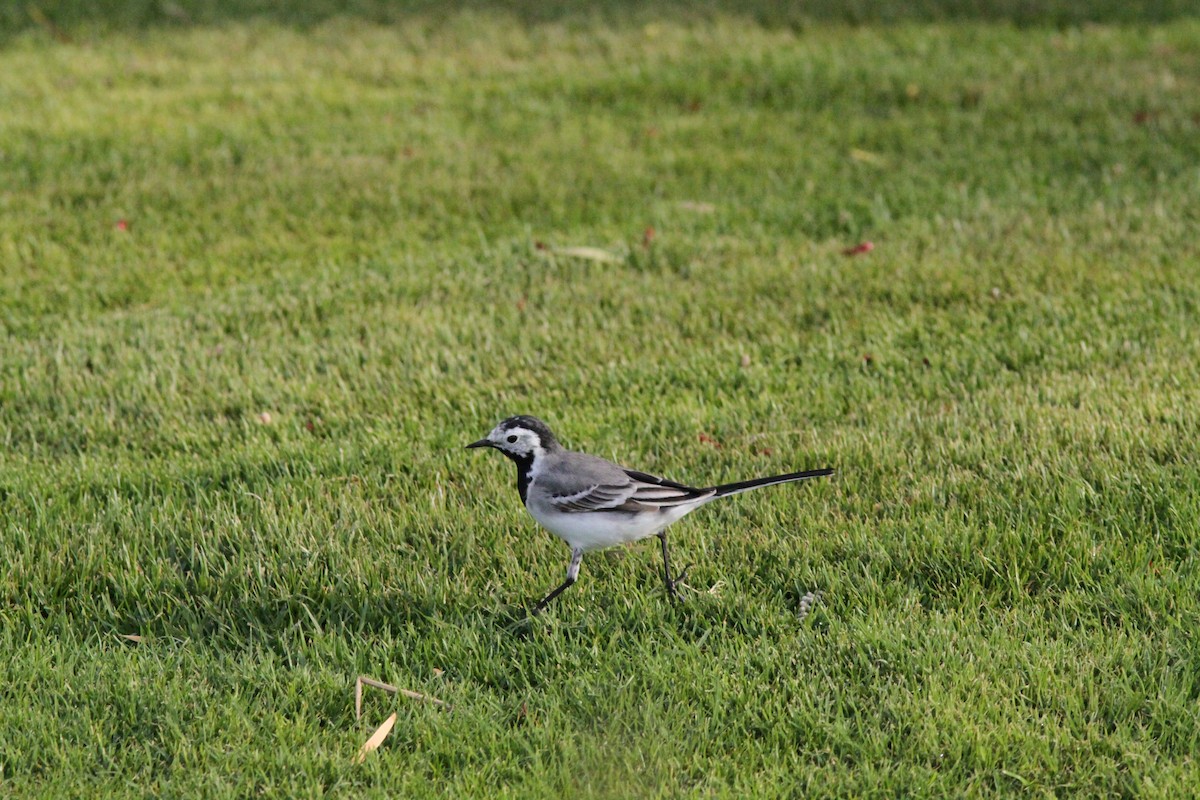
(572,574)
(678,579)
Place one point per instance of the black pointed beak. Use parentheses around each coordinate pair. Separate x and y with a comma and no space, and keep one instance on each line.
(480,443)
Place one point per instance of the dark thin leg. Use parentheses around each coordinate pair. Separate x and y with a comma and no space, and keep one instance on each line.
(671,584)
(572,574)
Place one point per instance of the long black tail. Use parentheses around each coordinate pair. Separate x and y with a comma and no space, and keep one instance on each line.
(745,486)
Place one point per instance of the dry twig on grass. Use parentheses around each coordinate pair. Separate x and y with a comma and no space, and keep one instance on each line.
(387,687)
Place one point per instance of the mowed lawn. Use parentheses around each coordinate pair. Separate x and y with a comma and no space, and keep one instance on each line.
(262,277)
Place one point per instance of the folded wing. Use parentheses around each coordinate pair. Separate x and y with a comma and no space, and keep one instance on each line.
(640,492)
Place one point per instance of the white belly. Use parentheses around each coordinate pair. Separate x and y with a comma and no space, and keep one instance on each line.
(590,530)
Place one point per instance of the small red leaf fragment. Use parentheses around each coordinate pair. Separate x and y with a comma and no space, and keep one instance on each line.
(706,439)
(122,224)
(859,249)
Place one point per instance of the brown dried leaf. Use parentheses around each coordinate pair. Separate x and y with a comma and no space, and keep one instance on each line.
(376,739)
(589,254)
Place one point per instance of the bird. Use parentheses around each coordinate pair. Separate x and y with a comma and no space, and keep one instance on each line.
(592,503)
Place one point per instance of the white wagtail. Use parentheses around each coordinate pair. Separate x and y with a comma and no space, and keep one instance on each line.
(591,503)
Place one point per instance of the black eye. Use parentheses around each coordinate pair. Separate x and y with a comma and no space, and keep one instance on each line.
(512,439)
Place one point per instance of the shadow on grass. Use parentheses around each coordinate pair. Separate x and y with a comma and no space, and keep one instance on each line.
(226,617)
(67,18)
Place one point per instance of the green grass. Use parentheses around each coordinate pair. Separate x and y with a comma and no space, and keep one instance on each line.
(345,216)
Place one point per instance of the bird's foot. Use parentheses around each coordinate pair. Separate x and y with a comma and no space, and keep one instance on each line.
(672,585)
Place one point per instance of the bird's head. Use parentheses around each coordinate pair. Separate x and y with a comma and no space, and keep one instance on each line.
(520,438)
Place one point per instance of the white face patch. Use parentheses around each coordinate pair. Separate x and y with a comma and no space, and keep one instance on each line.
(516,440)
